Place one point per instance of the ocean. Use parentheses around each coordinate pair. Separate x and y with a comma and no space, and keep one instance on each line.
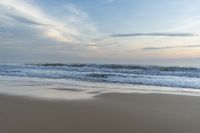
(101,78)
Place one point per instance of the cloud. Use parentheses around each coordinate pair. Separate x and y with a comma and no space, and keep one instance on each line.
(158,48)
(155,34)
(109,1)
(27,20)
(75,10)
(171,47)
(52,27)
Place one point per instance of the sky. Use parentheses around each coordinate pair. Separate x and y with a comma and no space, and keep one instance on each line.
(100,31)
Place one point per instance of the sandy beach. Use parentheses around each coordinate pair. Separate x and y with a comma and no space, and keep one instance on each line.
(106,113)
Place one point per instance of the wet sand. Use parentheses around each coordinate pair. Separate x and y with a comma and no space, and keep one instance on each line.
(107,113)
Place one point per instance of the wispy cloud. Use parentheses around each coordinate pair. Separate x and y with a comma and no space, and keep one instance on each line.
(27,20)
(21,11)
(155,34)
(109,1)
(171,47)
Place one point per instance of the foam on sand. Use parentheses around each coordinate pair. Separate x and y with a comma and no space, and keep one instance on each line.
(72,89)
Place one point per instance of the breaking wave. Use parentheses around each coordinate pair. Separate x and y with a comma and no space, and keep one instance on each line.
(183,77)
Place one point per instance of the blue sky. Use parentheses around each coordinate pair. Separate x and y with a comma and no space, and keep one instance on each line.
(100,31)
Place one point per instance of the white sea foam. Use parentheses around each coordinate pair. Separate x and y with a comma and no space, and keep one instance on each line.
(72,89)
(119,74)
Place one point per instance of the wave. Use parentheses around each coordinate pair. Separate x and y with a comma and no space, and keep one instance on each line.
(59,64)
(115,66)
(184,77)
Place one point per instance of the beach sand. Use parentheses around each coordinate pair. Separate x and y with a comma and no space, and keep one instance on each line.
(106,113)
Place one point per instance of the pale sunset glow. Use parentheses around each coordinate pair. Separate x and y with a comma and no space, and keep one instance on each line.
(99,32)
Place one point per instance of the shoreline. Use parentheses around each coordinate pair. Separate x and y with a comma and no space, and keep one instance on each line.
(108,113)
(75,90)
